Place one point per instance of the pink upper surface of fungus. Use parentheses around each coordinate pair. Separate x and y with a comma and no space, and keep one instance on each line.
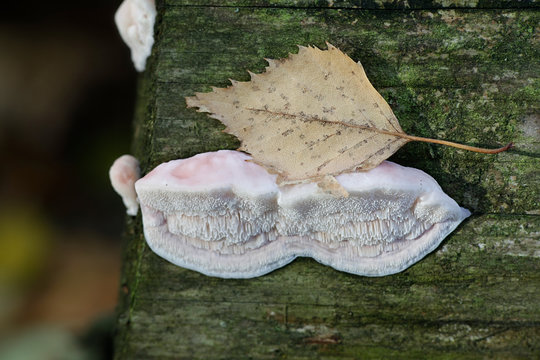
(209,171)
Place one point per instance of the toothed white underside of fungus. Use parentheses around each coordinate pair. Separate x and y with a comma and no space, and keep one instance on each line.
(123,174)
(135,22)
(223,216)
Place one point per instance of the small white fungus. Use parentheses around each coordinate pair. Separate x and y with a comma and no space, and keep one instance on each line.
(123,174)
(135,22)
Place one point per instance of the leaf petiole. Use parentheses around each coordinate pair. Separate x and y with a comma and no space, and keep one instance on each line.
(456,145)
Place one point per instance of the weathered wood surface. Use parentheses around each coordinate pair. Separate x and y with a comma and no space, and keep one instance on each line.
(468,75)
(364,4)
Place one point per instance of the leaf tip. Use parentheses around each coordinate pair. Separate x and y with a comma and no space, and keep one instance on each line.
(271,63)
(329,185)
(252,75)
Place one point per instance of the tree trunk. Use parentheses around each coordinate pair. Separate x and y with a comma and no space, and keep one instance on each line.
(467,74)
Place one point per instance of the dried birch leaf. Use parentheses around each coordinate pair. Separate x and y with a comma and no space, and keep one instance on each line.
(311,115)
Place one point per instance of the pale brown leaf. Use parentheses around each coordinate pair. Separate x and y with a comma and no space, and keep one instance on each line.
(308,116)
(312,114)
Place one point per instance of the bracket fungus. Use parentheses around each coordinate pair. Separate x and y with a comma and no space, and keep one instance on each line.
(135,22)
(222,215)
(123,174)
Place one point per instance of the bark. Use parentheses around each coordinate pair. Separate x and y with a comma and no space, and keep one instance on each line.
(465,71)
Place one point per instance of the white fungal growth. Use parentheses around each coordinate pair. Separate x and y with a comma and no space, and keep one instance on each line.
(223,216)
(135,22)
(123,174)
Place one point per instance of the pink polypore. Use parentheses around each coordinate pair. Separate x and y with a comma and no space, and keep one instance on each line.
(223,215)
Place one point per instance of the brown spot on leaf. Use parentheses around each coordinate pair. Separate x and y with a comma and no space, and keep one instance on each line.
(328,109)
(287,132)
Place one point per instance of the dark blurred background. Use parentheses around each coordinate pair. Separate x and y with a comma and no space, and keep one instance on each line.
(67,91)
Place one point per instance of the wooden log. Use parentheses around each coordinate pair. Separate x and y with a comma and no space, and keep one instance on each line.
(465,71)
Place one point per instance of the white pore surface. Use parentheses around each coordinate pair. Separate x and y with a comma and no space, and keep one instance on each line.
(123,174)
(135,22)
(223,216)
